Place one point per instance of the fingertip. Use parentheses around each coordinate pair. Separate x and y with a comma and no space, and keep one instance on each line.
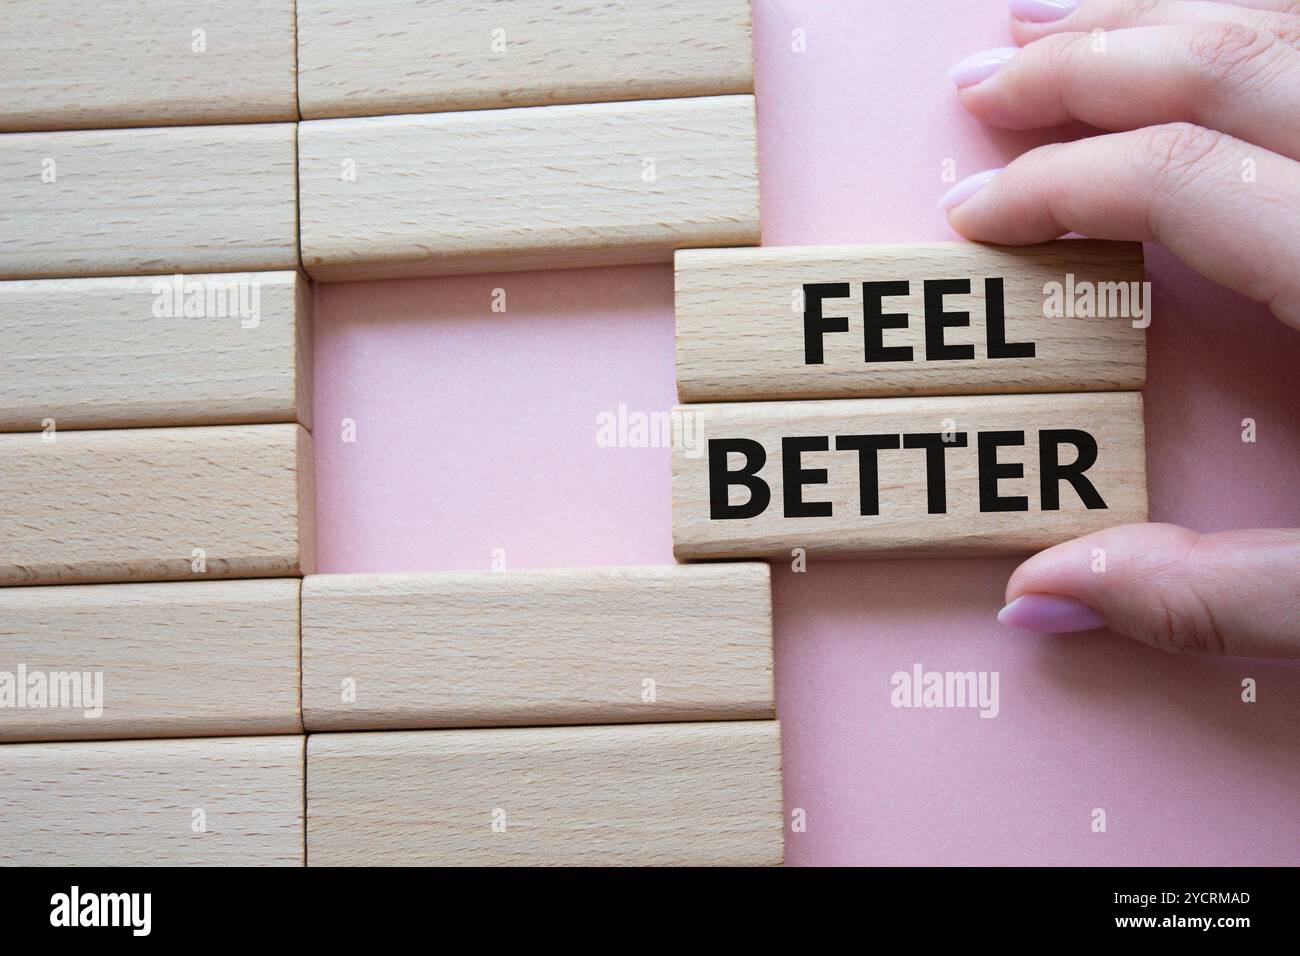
(966,188)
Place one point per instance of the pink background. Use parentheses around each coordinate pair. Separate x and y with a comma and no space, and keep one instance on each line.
(476,431)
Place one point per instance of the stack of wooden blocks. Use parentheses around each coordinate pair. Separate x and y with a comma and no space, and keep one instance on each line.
(176,685)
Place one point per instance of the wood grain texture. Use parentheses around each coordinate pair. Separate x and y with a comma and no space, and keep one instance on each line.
(638,795)
(179,659)
(134,803)
(741,316)
(414,56)
(904,525)
(86,64)
(533,188)
(148,201)
(537,647)
(133,505)
(122,352)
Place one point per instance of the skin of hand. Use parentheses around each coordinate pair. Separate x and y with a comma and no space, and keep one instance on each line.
(1193,93)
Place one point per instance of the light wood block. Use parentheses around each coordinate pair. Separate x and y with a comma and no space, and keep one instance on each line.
(180,659)
(139,504)
(148,201)
(86,64)
(533,188)
(219,801)
(600,645)
(955,318)
(856,479)
(150,351)
(413,56)
(638,795)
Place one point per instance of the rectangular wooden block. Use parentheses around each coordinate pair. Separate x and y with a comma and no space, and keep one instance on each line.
(179,659)
(599,645)
(533,188)
(414,56)
(148,201)
(905,477)
(141,351)
(638,795)
(86,64)
(217,801)
(942,318)
(156,504)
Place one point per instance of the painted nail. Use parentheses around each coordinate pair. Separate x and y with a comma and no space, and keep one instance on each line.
(1049,614)
(965,189)
(1043,11)
(980,66)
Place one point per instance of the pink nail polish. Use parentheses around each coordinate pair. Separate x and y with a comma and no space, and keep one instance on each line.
(1043,11)
(965,189)
(1049,614)
(980,66)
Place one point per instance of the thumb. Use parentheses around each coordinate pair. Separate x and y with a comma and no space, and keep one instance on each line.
(1235,592)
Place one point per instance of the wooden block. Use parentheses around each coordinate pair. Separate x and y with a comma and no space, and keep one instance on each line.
(156,504)
(217,801)
(86,64)
(600,645)
(637,795)
(542,187)
(874,477)
(413,56)
(148,201)
(942,318)
(145,351)
(180,659)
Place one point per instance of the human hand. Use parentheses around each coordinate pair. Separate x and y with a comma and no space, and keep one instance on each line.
(1203,101)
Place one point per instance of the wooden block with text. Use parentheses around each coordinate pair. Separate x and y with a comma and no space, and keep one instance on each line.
(943,318)
(211,801)
(148,201)
(636,795)
(177,659)
(905,477)
(142,351)
(532,188)
(373,58)
(86,64)
(156,504)
(598,645)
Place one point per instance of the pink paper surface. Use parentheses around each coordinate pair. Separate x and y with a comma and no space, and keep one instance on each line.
(476,438)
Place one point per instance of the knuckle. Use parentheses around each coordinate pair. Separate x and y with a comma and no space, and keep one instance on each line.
(1229,52)
(1182,620)
(1174,150)
(1141,11)
(1288,31)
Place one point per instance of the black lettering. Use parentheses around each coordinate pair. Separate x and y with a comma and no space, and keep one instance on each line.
(720,479)
(995,315)
(990,470)
(936,476)
(936,320)
(815,325)
(868,471)
(1053,472)
(794,476)
(874,322)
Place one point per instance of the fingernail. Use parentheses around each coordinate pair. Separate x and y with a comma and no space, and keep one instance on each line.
(1043,11)
(965,189)
(980,66)
(1049,614)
